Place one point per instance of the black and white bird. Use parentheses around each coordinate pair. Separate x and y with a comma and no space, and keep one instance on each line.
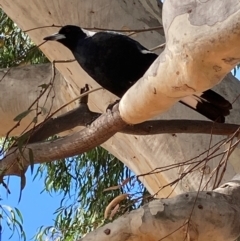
(116,62)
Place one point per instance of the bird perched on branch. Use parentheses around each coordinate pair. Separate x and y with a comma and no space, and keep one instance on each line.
(116,62)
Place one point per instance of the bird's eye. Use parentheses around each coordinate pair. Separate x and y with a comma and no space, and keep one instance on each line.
(67,30)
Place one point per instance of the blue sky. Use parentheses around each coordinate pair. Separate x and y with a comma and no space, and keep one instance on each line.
(237,74)
(37,208)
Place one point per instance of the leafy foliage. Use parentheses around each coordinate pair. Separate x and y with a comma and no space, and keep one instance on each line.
(16,48)
(82,180)
(13,218)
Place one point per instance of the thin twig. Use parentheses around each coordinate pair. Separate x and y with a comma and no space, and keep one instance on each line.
(158,47)
(100,29)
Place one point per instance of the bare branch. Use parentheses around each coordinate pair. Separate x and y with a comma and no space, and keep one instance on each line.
(98,132)
(82,116)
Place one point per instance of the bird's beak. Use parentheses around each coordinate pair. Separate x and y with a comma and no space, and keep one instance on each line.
(55,37)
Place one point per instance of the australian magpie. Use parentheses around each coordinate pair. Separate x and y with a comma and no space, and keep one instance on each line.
(116,62)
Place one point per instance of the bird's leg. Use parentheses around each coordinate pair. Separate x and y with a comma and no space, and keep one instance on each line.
(84,99)
(110,106)
(83,102)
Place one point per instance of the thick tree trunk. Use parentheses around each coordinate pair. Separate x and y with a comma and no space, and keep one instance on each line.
(21,86)
(141,154)
(202,46)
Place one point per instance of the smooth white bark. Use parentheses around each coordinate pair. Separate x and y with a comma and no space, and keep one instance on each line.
(202,46)
(214,217)
(20,87)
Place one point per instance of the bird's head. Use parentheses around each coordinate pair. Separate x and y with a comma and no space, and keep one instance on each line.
(68,35)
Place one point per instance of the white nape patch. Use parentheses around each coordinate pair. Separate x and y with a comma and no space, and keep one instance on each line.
(191,101)
(88,33)
(114,32)
(144,51)
(91,33)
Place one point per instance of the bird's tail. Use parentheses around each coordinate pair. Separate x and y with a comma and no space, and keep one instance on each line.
(209,104)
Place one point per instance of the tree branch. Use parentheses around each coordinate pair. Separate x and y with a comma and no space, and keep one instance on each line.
(180,126)
(82,116)
(98,132)
(201,58)
(198,216)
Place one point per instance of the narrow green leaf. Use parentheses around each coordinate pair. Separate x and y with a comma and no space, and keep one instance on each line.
(43,110)
(44,86)
(22,115)
(35,120)
(31,159)
(22,185)
(19,214)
